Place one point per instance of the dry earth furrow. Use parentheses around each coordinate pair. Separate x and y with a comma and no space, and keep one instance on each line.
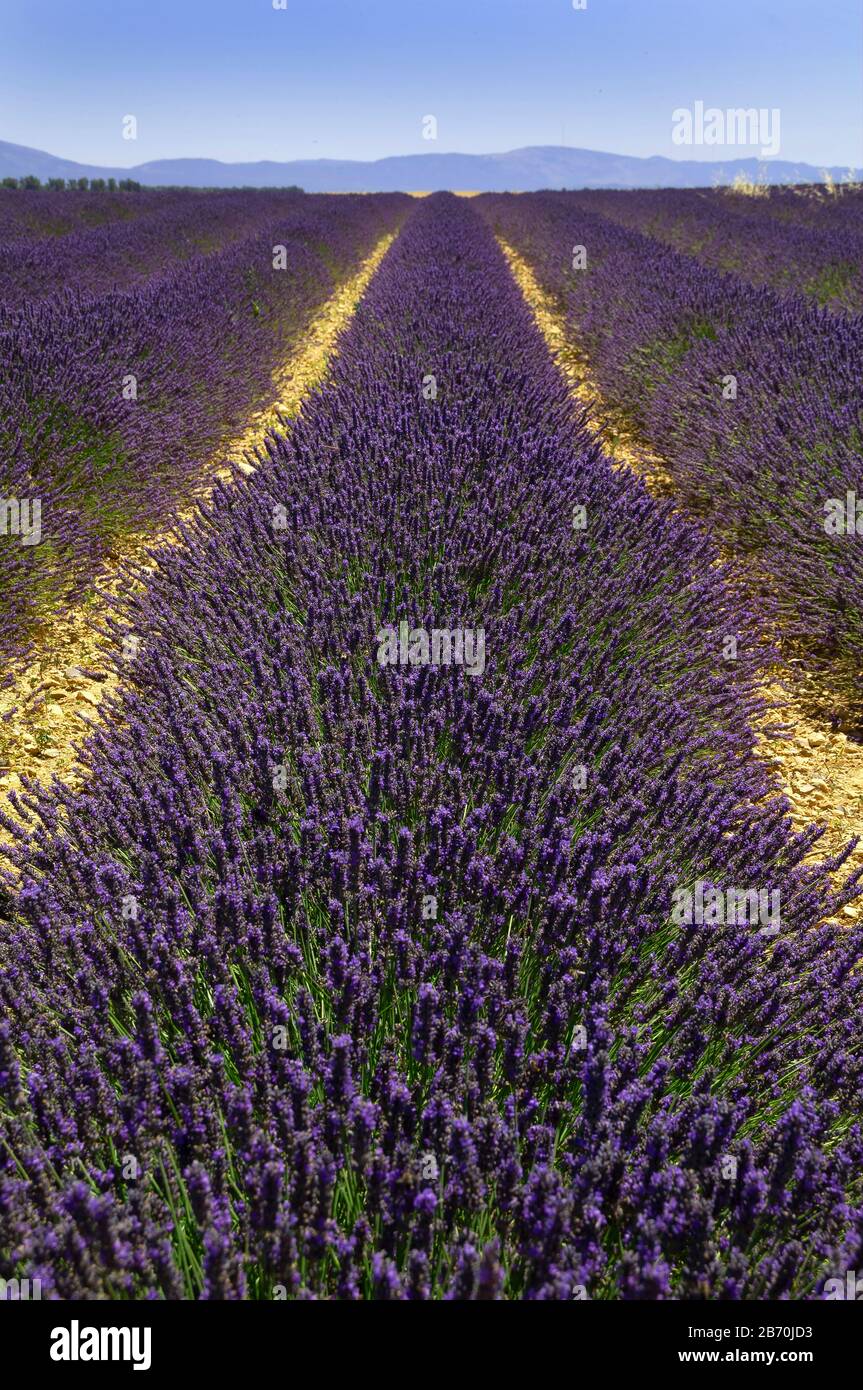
(818,769)
(44,711)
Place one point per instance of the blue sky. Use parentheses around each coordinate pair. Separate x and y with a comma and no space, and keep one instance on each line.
(237,79)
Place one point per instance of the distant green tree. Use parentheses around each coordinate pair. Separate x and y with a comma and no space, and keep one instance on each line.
(112,185)
(97,185)
(30,181)
(56,185)
(81,184)
(10,183)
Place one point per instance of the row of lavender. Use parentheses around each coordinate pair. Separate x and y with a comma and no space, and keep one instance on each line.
(374,961)
(820,206)
(166,227)
(755,401)
(820,257)
(49,212)
(110,405)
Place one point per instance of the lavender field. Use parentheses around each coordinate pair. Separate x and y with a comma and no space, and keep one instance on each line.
(452,889)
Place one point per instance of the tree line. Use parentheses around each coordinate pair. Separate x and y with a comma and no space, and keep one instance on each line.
(82,185)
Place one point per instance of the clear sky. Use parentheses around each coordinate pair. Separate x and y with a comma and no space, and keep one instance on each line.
(238,79)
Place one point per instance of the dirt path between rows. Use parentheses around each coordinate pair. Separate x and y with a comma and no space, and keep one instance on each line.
(45,712)
(819,770)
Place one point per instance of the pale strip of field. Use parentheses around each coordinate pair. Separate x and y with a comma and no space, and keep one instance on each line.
(620,445)
(51,697)
(818,769)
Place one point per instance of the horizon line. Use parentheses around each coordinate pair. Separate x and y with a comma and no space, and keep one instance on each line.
(424,154)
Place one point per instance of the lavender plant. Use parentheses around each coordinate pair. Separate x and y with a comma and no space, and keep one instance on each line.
(111,405)
(821,258)
(754,401)
(351,979)
(95,258)
(49,212)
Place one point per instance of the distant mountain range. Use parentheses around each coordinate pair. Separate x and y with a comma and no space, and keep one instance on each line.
(536,166)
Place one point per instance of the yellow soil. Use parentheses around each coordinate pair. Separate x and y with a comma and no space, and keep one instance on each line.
(623,449)
(52,698)
(819,770)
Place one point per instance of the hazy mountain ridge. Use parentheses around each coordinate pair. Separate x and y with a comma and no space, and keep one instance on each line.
(535,166)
